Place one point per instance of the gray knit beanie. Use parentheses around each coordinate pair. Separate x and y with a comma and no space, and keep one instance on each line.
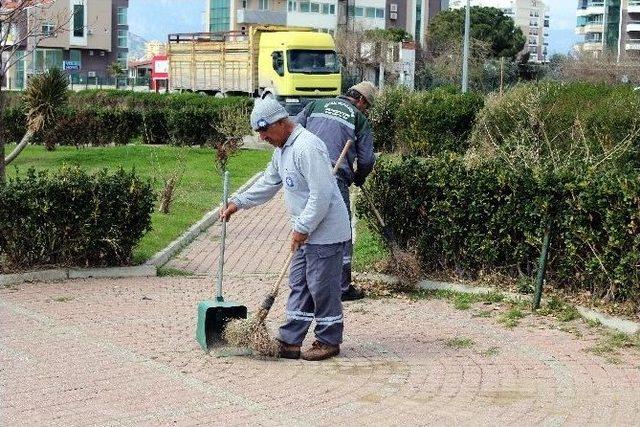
(265,112)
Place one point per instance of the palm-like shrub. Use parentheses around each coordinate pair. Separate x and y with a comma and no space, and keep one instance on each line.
(44,96)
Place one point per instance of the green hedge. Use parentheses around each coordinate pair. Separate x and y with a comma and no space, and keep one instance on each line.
(491,218)
(424,123)
(71,218)
(552,121)
(14,121)
(101,117)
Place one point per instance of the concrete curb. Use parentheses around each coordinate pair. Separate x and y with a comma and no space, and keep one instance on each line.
(147,269)
(611,322)
(77,273)
(162,257)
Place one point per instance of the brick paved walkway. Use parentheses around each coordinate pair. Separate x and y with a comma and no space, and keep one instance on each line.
(257,243)
(122,352)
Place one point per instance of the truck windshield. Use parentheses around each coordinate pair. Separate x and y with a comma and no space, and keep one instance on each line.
(312,61)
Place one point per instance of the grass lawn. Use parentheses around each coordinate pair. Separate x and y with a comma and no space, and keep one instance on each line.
(369,247)
(198,191)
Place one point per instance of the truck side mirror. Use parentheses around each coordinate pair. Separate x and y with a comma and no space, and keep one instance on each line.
(278,63)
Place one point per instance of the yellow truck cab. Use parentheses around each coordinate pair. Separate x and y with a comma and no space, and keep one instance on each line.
(289,64)
(296,65)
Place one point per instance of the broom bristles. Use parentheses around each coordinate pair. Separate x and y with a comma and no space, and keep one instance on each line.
(251,333)
(407,267)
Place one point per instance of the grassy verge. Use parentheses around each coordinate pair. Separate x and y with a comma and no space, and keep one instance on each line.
(198,190)
(369,248)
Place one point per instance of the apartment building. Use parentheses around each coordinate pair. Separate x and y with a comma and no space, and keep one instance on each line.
(324,15)
(81,37)
(531,16)
(609,26)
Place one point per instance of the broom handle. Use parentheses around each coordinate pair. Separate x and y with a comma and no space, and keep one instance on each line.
(343,154)
(225,194)
(373,207)
(276,286)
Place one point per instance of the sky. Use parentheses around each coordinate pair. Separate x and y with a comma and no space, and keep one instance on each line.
(154,19)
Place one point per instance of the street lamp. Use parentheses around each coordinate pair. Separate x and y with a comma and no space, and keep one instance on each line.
(465,57)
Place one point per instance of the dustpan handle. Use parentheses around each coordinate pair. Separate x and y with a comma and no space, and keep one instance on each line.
(225,195)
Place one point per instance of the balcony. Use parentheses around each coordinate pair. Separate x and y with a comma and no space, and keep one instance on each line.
(591,46)
(592,9)
(632,44)
(634,6)
(595,27)
(264,17)
(633,26)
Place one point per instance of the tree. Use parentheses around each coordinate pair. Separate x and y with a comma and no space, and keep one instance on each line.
(395,35)
(21,30)
(488,24)
(45,95)
(115,69)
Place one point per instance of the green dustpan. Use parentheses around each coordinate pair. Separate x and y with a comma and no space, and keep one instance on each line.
(213,315)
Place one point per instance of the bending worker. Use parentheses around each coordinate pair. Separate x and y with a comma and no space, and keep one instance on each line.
(300,164)
(335,121)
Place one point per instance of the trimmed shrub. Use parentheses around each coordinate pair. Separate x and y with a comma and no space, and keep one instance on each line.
(424,123)
(492,218)
(14,123)
(437,121)
(102,117)
(385,117)
(72,218)
(553,123)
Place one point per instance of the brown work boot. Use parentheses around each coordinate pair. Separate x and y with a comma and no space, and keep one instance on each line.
(320,351)
(288,351)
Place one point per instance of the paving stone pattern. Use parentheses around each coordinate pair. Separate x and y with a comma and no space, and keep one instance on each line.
(122,353)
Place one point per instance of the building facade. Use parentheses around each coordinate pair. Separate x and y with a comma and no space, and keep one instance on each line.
(609,26)
(324,15)
(531,16)
(81,37)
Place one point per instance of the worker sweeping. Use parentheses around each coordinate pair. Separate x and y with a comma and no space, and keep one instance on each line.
(300,165)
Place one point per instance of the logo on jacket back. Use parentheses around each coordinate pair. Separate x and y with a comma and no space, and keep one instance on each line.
(289,181)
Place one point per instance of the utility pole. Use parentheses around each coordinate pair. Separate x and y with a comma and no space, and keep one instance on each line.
(465,57)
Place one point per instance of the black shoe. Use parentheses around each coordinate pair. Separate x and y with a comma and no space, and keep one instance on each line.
(352,294)
(288,351)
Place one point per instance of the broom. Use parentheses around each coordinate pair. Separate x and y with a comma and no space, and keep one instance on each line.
(406,265)
(253,332)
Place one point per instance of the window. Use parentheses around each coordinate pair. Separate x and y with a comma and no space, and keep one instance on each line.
(312,61)
(47,29)
(332,9)
(304,6)
(277,60)
(46,59)
(315,7)
(370,12)
(122,58)
(75,55)
(380,13)
(292,7)
(78,20)
(122,38)
(359,11)
(122,16)
(325,8)
(219,14)
(263,4)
